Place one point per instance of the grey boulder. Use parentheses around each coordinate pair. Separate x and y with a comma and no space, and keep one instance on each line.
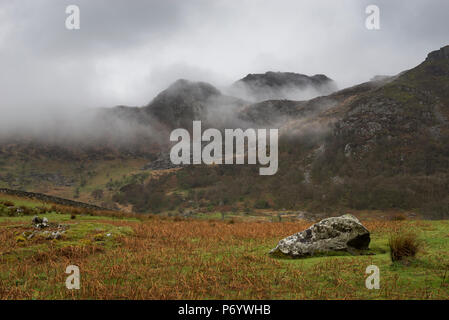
(344,233)
(40,223)
(37,220)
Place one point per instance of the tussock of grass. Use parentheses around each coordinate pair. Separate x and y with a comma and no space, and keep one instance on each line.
(399,217)
(403,246)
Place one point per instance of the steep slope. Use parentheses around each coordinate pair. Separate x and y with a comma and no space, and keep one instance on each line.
(285,113)
(403,124)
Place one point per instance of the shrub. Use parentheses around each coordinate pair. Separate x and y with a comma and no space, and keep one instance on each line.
(261,204)
(4,211)
(98,194)
(403,246)
(7,203)
(399,217)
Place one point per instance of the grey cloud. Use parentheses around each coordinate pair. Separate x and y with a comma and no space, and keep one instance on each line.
(127,51)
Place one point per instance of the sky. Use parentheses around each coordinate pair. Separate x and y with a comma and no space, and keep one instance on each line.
(125,52)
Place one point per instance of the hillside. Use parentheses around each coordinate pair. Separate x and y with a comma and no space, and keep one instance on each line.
(407,116)
(379,145)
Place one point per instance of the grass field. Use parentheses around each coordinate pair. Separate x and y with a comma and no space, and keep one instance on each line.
(174,258)
(87,175)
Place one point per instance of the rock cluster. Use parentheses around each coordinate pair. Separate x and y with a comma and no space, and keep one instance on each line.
(43,228)
(162,162)
(40,223)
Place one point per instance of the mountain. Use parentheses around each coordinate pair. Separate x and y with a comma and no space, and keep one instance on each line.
(283,113)
(185,101)
(380,145)
(282,85)
(404,122)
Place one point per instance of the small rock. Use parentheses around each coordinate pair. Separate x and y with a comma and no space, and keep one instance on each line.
(56,235)
(28,234)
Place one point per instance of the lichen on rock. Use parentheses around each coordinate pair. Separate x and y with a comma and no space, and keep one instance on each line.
(344,233)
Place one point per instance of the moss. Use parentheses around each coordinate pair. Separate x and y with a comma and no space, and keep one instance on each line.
(20,239)
(99,237)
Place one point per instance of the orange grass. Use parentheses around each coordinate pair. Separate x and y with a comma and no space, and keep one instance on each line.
(191,259)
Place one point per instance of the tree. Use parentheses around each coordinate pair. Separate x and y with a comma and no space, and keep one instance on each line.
(97,194)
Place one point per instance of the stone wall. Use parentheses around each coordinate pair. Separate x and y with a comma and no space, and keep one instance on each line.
(51,199)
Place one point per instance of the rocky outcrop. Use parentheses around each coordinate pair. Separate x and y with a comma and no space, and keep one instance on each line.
(344,233)
(56,179)
(443,53)
(405,113)
(270,112)
(162,162)
(282,85)
(43,229)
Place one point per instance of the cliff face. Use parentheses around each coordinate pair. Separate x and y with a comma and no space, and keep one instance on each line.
(443,53)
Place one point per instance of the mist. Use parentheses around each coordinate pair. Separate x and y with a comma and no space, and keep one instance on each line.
(125,53)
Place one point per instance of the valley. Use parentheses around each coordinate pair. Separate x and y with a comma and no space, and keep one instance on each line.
(125,256)
(380,145)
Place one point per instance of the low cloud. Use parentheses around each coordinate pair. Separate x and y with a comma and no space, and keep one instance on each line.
(125,53)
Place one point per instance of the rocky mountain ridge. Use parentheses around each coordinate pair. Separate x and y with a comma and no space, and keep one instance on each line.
(283,85)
